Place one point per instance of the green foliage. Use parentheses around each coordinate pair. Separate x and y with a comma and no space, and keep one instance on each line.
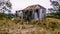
(2,16)
(9,16)
(7,7)
(55,15)
(8,4)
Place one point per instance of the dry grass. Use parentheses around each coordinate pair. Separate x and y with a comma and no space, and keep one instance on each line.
(48,26)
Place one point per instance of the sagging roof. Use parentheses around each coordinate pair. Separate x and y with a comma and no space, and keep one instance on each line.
(32,7)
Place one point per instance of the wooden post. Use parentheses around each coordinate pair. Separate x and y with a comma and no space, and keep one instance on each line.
(32,14)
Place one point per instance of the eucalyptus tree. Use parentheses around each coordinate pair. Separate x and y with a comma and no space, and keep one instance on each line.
(5,5)
(55,4)
(56,7)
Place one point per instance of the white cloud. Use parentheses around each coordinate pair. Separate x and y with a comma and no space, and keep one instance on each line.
(21,4)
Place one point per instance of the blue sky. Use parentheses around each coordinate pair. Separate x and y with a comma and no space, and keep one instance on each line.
(21,4)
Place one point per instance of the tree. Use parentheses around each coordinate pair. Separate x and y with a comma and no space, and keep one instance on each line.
(56,7)
(5,5)
(55,4)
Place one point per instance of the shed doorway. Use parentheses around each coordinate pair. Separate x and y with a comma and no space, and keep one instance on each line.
(36,14)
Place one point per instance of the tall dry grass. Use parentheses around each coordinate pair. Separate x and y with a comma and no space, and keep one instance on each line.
(48,26)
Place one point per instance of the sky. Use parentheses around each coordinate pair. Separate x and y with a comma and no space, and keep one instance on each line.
(21,4)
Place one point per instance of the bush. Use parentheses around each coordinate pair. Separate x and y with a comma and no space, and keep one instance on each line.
(2,16)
